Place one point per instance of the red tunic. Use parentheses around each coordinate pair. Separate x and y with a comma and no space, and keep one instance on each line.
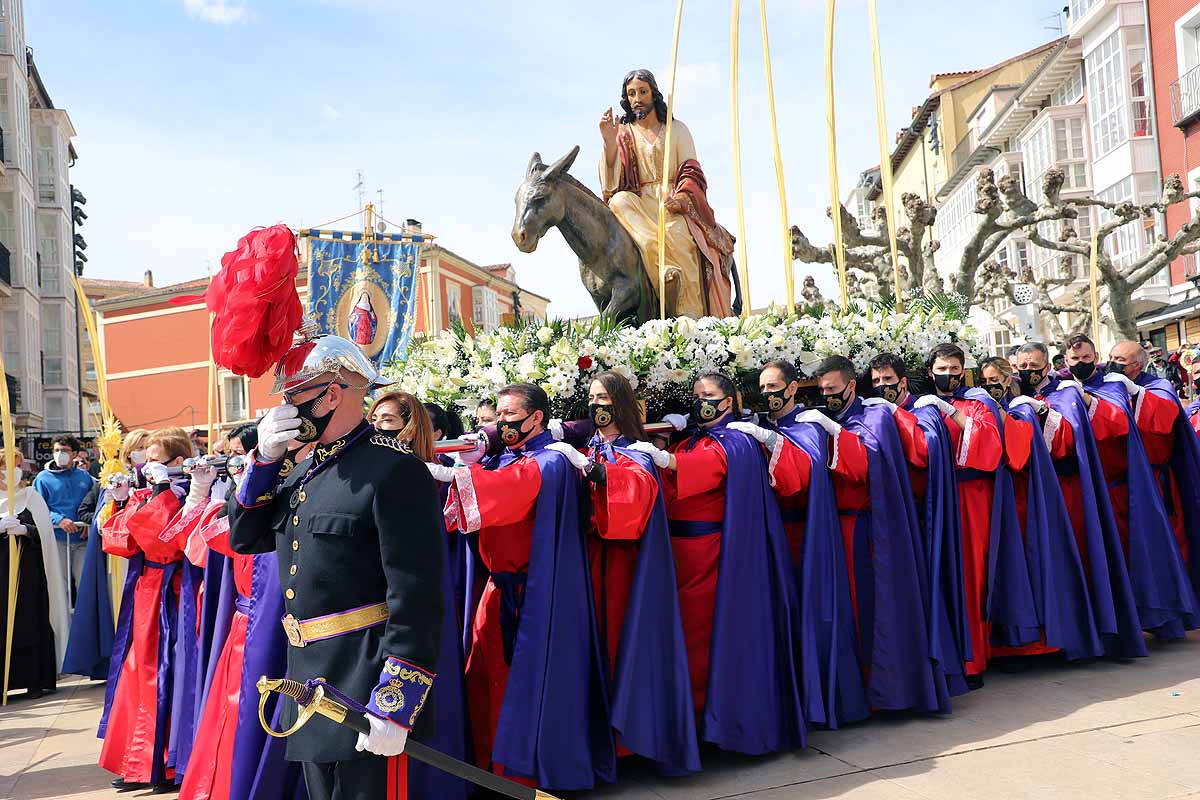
(1111,426)
(621,507)
(501,505)
(978,450)
(211,762)
(848,468)
(128,748)
(695,493)
(1195,420)
(791,471)
(916,451)
(1155,416)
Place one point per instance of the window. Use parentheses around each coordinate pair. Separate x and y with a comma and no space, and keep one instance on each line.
(1022,249)
(12,340)
(1139,94)
(52,370)
(49,276)
(5,47)
(1070,91)
(52,329)
(1124,244)
(1081,7)
(1106,95)
(1069,152)
(486,308)
(1036,158)
(55,416)
(233,390)
(45,168)
(454,302)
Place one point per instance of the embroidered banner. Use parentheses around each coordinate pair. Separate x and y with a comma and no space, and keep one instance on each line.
(364,289)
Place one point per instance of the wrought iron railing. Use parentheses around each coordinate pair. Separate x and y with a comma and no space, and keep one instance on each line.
(1185,98)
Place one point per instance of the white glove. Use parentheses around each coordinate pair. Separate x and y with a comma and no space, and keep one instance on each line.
(220,490)
(750,429)
(385,739)
(1071,385)
(155,473)
(120,492)
(470,457)
(933,400)
(678,421)
(277,427)
(1023,400)
(661,458)
(440,472)
(578,460)
(203,478)
(879,401)
(555,427)
(1116,377)
(812,415)
(11,526)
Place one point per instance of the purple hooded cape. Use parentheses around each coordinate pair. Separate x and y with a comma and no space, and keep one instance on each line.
(950,630)
(90,642)
(1060,590)
(753,703)
(832,687)
(1183,469)
(1010,606)
(651,688)
(1166,604)
(893,579)
(188,678)
(553,725)
(1113,605)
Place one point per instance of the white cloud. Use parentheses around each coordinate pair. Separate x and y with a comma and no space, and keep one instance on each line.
(331,113)
(222,12)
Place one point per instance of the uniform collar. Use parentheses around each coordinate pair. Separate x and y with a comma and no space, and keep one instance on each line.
(330,450)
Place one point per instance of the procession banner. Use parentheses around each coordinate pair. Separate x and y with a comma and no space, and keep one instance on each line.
(364,289)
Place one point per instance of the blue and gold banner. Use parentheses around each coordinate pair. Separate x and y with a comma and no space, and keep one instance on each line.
(364,289)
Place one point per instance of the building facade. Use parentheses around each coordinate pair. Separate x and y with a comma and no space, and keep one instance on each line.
(37,305)
(156,350)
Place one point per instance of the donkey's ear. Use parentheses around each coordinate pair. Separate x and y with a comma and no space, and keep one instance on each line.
(535,164)
(562,165)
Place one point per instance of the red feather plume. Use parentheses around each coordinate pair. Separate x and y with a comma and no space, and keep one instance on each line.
(254,302)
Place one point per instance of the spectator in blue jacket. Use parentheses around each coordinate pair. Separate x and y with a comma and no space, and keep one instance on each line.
(63,486)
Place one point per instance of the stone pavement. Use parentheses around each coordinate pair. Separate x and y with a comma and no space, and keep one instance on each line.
(1057,732)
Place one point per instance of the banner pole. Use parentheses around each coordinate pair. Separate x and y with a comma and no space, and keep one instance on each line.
(666,165)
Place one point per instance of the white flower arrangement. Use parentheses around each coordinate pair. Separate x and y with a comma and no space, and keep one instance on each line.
(662,358)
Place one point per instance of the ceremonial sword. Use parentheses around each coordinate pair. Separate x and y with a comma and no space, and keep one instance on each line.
(313,698)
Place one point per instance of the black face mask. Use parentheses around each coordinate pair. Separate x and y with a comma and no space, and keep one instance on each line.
(1030,379)
(997,391)
(1196,385)
(311,427)
(836,403)
(1083,370)
(889,392)
(510,430)
(705,411)
(601,416)
(1113,368)
(776,400)
(947,384)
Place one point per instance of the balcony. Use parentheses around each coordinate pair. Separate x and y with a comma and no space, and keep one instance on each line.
(5,269)
(1185,98)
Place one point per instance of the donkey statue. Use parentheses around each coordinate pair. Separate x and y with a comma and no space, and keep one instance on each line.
(610,264)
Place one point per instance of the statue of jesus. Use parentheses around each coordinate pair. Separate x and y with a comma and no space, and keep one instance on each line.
(699,252)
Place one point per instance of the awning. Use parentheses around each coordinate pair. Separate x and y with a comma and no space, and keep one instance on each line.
(1169,313)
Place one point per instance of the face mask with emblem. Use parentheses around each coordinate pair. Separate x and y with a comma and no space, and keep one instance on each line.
(512,431)
(998,391)
(776,400)
(889,391)
(947,384)
(600,415)
(1030,379)
(312,426)
(705,410)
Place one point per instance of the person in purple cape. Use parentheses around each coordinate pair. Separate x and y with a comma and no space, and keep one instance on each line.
(884,552)
(1166,602)
(1174,454)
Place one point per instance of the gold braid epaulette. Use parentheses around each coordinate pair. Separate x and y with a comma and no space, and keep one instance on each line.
(383,440)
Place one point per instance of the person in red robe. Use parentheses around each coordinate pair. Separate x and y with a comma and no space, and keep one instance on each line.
(977,443)
(363,321)
(135,729)
(535,678)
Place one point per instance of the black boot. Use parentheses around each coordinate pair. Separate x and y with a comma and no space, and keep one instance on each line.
(122,785)
(975,682)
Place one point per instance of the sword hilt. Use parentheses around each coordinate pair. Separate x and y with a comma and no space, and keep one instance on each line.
(311,700)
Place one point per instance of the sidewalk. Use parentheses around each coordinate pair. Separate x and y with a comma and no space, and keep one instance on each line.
(1101,730)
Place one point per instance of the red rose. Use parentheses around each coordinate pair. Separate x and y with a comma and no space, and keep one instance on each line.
(585,362)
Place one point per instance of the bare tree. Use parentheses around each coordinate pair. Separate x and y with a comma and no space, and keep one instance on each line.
(1005,211)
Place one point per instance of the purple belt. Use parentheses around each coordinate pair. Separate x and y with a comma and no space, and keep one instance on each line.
(689,528)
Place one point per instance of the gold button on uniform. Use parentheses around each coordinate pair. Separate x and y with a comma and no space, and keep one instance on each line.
(292,571)
(289,594)
(295,545)
(295,520)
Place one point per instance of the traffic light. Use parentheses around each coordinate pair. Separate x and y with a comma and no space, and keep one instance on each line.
(77,218)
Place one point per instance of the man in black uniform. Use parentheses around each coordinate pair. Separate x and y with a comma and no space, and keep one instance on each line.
(356,529)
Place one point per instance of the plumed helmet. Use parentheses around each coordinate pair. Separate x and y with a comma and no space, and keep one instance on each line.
(316,354)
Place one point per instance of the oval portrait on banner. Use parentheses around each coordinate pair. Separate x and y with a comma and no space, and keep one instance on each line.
(364,317)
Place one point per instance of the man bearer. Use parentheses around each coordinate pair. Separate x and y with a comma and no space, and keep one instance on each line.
(356,529)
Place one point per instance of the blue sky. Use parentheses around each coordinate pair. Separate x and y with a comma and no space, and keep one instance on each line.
(199,119)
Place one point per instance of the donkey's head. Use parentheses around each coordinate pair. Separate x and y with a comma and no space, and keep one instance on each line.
(540,200)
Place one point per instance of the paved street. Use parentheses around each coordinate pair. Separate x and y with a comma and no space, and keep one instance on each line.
(1100,730)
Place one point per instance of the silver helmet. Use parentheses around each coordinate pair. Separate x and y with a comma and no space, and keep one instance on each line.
(320,354)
